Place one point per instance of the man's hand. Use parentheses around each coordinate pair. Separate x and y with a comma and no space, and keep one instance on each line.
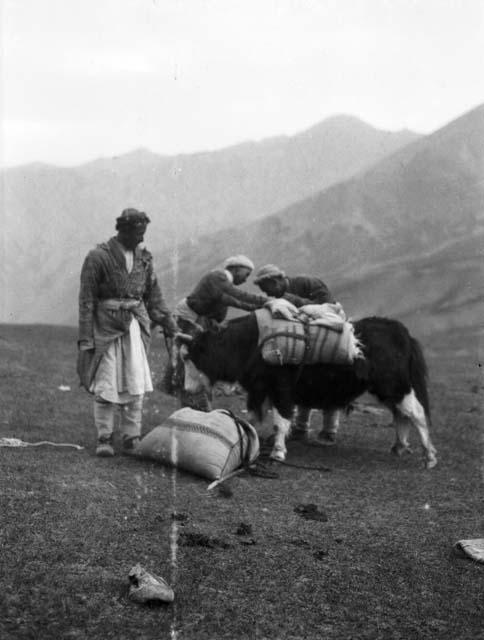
(85,345)
(169,327)
(282,308)
(85,357)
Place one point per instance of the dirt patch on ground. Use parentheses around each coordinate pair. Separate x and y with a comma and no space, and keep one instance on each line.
(311,512)
(193,539)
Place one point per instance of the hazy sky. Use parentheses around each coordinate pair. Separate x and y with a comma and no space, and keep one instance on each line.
(89,78)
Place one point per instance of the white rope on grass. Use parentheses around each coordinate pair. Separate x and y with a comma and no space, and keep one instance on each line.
(16,442)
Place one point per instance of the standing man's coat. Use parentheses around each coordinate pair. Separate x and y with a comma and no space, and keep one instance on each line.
(119,299)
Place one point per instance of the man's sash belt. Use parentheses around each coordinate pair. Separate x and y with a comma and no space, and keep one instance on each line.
(115,304)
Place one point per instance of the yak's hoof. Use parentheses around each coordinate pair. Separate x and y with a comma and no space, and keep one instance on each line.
(278,454)
(326,439)
(430,463)
(400,449)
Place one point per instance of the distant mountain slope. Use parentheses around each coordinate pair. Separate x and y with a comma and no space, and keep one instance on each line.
(422,199)
(437,291)
(51,216)
(208,191)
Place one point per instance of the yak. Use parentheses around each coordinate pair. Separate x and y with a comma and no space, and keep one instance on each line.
(392,368)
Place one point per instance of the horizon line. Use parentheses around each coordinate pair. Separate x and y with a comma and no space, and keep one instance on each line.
(215,149)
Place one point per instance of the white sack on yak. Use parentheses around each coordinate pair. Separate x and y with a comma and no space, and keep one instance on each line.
(210,445)
(316,333)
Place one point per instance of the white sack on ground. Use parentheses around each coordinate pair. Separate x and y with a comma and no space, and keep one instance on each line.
(472,548)
(210,445)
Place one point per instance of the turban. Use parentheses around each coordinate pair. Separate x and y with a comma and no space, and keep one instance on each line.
(239,261)
(131,217)
(268,271)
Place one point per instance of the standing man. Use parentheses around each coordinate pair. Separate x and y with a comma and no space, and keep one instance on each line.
(207,306)
(301,290)
(119,297)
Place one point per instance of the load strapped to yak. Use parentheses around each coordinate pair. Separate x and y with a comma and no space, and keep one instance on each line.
(312,334)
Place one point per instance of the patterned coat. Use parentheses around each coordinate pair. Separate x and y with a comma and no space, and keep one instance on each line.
(301,290)
(104,277)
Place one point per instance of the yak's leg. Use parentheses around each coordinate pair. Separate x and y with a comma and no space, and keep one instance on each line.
(281,395)
(301,424)
(281,431)
(256,418)
(257,407)
(327,436)
(402,428)
(413,410)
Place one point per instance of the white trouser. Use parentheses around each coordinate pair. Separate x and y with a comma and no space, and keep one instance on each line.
(303,419)
(130,417)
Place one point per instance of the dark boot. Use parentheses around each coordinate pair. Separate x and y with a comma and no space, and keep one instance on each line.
(130,445)
(104,447)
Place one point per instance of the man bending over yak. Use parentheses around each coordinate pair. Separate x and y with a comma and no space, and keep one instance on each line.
(300,290)
(207,306)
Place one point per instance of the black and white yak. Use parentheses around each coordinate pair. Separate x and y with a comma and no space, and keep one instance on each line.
(393,369)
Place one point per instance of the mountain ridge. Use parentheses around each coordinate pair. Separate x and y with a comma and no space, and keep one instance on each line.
(328,122)
(50,213)
(406,208)
(369,232)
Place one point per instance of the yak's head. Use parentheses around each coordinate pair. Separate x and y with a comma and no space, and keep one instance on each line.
(193,349)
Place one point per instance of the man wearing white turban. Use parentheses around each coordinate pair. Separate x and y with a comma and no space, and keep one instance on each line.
(208,303)
(300,290)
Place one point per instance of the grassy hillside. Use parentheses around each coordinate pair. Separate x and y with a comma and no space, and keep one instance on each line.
(439,291)
(381,566)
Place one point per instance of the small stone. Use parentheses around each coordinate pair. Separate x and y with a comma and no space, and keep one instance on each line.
(146,587)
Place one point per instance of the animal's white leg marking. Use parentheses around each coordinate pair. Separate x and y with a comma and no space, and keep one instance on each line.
(281,428)
(413,410)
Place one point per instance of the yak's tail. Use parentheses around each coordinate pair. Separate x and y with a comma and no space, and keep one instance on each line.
(419,375)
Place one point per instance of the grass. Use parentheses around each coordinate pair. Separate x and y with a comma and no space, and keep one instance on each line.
(381,566)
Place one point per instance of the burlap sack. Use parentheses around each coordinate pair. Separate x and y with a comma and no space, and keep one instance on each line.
(210,445)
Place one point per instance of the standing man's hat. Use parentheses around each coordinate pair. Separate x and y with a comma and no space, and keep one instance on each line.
(239,261)
(268,271)
(131,217)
